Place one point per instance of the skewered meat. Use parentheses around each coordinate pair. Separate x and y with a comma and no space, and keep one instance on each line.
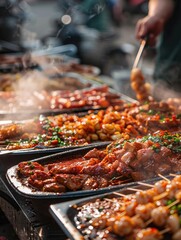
(93,98)
(138,85)
(142,158)
(111,215)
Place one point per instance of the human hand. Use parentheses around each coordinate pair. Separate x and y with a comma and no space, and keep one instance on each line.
(150,26)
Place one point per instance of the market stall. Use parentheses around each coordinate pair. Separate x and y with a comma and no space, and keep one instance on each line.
(80,159)
(94,152)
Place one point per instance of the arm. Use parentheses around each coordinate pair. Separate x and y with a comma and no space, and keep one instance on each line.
(159,13)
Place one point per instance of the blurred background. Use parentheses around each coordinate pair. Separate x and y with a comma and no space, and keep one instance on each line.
(102,32)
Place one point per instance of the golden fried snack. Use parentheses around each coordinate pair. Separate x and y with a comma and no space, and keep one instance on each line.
(138,85)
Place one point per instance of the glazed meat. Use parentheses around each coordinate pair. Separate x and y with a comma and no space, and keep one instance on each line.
(139,85)
(114,123)
(152,154)
(36,100)
(134,159)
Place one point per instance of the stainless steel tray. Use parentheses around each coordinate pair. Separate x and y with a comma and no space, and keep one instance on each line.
(64,213)
(28,113)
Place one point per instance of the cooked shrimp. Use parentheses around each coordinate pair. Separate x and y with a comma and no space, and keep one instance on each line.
(173,223)
(138,222)
(178,195)
(142,197)
(172,188)
(177,179)
(130,208)
(149,234)
(160,186)
(151,193)
(124,226)
(159,215)
(99,222)
(144,211)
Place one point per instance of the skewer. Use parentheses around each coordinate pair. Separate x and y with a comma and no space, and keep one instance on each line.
(164,177)
(173,175)
(122,181)
(174,203)
(169,206)
(109,200)
(148,222)
(135,189)
(146,184)
(160,196)
(165,231)
(121,194)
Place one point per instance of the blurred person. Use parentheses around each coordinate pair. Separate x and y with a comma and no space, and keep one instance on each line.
(97,14)
(116,10)
(163,19)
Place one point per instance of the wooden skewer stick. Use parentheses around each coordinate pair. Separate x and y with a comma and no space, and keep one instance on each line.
(165,231)
(109,200)
(169,206)
(135,189)
(164,178)
(174,175)
(121,194)
(146,184)
(174,203)
(122,214)
(148,222)
(160,196)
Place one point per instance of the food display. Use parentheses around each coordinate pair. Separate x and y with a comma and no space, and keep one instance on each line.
(13,63)
(153,213)
(67,130)
(122,161)
(90,139)
(175,103)
(121,141)
(123,121)
(36,101)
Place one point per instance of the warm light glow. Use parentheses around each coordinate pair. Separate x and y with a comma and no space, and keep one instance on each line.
(66,19)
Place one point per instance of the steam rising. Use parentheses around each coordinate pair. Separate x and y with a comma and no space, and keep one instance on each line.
(162,92)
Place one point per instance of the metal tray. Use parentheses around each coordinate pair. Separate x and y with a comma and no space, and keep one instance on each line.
(39,151)
(64,213)
(22,114)
(27,192)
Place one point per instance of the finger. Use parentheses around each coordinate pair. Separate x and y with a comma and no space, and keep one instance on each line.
(152,40)
(137,29)
(143,31)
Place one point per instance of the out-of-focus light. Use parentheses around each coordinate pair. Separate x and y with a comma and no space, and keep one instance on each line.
(66,19)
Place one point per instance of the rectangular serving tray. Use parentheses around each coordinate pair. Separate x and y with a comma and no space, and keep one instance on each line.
(19,115)
(27,192)
(64,212)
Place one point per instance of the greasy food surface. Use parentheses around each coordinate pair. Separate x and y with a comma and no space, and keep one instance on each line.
(139,85)
(123,121)
(150,214)
(124,160)
(26,101)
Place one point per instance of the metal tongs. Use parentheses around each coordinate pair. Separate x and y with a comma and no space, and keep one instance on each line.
(140,51)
